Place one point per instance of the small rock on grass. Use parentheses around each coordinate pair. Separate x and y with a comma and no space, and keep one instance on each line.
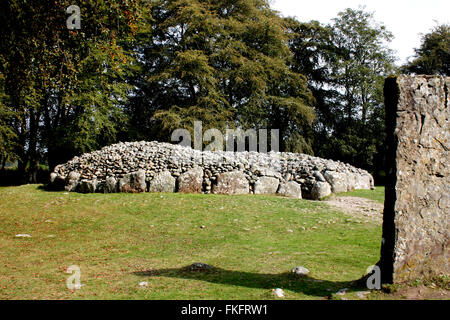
(199,267)
(342,292)
(279,293)
(23,236)
(300,271)
(362,294)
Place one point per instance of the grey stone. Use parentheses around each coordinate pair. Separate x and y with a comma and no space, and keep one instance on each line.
(199,267)
(108,186)
(87,186)
(319,176)
(191,181)
(231,183)
(53,177)
(416,223)
(300,271)
(163,182)
(342,292)
(291,189)
(338,181)
(72,181)
(279,293)
(266,185)
(133,182)
(320,190)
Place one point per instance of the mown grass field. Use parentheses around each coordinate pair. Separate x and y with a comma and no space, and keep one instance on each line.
(120,240)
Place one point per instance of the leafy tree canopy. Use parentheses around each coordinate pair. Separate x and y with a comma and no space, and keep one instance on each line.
(224,62)
(433,55)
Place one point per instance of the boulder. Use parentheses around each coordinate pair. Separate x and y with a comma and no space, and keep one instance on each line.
(87,186)
(319,177)
(291,189)
(337,181)
(266,172)
(163,182)
(191,181)
(72,180)
(230,183)
(199,267)
(133,182)
(300,271)
(108,186)
(266,185)
(53,177)
(351,181)
(320,190)
(364,181)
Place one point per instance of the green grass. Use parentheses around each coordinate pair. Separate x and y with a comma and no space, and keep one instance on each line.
(375,195)
(119,240)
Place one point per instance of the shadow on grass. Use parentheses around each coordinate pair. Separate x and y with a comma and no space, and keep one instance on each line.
(287,281)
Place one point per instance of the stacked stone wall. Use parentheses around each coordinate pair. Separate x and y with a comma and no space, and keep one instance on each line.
(162,167)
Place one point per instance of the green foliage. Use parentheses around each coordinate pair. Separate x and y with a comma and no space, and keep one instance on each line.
(139,69)
(222,62)
(8,138)
(346,63)
(65,87)
(433,56)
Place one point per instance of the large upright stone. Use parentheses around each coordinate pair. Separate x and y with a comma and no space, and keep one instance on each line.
(87,186)
(163,182)
(72,181)
(320,190)
(231,183)
(337,180)
(108,186)
(191,181)
(133,182)
(416,224)
(266,185)
(291,189)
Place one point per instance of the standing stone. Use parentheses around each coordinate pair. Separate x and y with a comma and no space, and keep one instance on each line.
(352,181)
(337,181)
(191,181)
(108,186)
(291,189)
(163,182)
(72,181)
(266,185)
(416,224)
(87,186)
(320,190)
(231,183)
(53,177)
(133,182)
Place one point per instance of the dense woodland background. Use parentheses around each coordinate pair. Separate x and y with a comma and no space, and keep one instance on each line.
(138,69)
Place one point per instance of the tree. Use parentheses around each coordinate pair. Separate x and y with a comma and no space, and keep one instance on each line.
(346,63)
(65,87)
(7,134)
(433,56)
(223,62)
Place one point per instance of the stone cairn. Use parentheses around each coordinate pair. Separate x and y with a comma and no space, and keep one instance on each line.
(161,167)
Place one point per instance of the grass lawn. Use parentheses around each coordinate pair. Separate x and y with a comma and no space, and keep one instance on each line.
(119,240)
(375,195)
